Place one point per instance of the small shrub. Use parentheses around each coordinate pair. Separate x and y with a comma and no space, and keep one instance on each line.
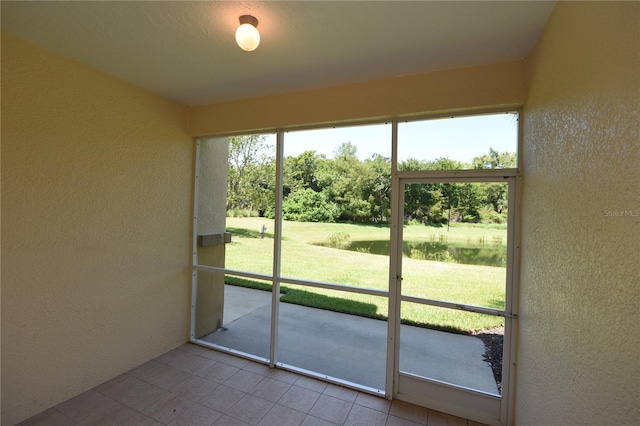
(306,205)
(270,213)
(242,213)
(443,256)
(491,216)
(339,240)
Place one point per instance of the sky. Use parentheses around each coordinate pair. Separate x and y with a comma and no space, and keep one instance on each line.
(460,138)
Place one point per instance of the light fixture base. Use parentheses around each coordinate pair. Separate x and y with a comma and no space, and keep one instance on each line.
(248,19)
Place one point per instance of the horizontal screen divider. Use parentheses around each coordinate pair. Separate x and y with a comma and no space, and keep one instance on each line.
(206,268)
(457,306)
(474,175)
(339,287)
(316,284)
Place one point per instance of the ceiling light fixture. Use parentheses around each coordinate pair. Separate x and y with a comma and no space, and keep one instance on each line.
(247,35)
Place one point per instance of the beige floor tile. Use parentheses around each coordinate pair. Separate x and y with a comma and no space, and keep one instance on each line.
(437,418)
(219,372)
(143,397)
(409,412)
(112,382)
(300,399)
(196,415)
(83,404)
(315,421)
(472,423)
(113,414)
(244,380)
(187,346)
(51,417)
(311,384)
(175,358)
(235,361)
(194,388)
(250,409)
(147,370)
(256,367)
(120,387)
(222,398)
(283,376)
(399,421)
(204,352)
(141,420)
(229,421)
(331,409)
(372,401)
(341,392)
(193,385)
(363,416)
(196,365)
(198,350)
(270,389)
(169,378)
(167,408)
(281,416)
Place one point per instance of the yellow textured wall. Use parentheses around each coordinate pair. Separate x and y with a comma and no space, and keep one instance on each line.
(494,85)
(579,347)
(96,210)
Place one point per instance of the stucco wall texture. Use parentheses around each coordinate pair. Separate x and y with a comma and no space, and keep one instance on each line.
(579,347)
(501,85)
(96,219)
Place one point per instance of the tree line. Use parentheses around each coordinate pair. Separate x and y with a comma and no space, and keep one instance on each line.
(345,188)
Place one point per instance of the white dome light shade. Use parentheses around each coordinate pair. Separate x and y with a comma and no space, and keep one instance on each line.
(247,35)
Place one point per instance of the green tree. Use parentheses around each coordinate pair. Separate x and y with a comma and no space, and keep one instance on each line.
(469,202)
(302,172)
(421,201)
(262,188)
(307,205)
(344,181)
(450,198)
(495,160)
(250,175)
(494,195)
(444,164)
(376,188)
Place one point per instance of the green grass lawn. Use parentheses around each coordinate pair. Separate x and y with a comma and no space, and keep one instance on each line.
(469,284)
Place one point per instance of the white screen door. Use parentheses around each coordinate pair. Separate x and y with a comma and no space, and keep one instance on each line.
(452,294)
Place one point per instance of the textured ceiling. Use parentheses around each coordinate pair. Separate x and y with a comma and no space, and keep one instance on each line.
(186,50)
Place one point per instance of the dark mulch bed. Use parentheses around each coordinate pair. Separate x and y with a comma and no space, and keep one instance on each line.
(493,342)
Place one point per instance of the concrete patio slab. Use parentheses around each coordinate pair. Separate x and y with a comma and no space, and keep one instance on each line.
(349,347)
(240,301)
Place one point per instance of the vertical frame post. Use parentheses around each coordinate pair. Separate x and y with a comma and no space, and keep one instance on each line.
(194,242)
(513,285)
(393,326)
(277,248)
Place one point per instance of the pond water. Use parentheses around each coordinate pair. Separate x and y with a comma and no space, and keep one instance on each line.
(469,253)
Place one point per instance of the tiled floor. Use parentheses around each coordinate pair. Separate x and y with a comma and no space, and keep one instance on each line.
(193,385)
